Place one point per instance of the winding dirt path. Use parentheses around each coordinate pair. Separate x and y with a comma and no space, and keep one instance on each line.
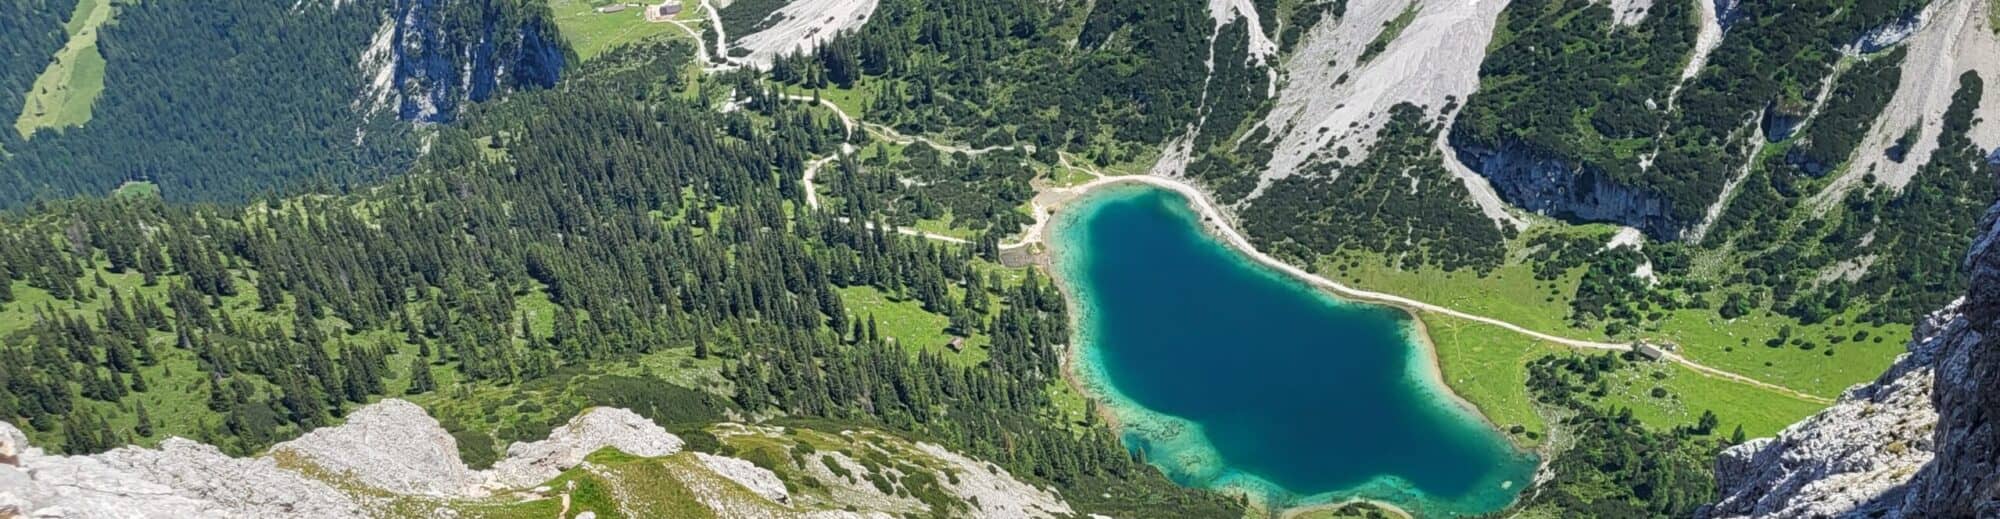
(1220,224)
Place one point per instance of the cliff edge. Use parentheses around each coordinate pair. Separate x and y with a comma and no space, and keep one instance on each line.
(1921,441)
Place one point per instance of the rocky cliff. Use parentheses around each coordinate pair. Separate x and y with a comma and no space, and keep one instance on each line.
(1558,188)
(392,460)
(1921,441)
(431,56)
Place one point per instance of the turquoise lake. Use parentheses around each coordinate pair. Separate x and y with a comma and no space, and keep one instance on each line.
(1233,376)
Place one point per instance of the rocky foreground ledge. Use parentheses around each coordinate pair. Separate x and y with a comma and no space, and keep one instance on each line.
(392,460)
(1921,441)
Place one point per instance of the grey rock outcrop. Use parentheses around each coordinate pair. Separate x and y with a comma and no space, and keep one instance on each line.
(1888,35)
(1725,12)
(1558,188)
(1964,480)
(1852,456)
(430,59)
(1779,123)
(180,479)
(1921,441)
(392,460)
(532,463)
(759,480)
(392,445)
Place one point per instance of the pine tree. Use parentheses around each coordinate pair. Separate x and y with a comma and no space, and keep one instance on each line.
(873,334)
(421,380)
(145,425)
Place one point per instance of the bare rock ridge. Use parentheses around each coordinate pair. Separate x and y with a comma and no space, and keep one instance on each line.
(390,446)
(1921,441)
(1964,480)
(392,460)
(532,463)
(180,479)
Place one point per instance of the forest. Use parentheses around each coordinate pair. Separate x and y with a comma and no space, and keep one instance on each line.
(1399,202)
(206,120)
(234,99)
(1619,466)
(1554,88)
(30,32)
(508,257)
(990,73)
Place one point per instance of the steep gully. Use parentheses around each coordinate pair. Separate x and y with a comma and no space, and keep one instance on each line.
(1219,223)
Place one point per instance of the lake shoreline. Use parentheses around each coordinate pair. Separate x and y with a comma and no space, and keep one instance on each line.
(1209,216)
(1060,212)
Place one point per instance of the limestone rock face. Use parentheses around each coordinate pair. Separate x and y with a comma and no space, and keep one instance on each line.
(12,442)
(1964,480)
(993,491)
(1558,188)
(1921,441)
(1888,35)
(1854,455)
(529,464)
(181,479)
(1725,11)
(392,460)
(764,482)
(392,445)
(425,65)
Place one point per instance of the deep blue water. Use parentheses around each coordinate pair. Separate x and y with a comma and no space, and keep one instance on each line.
(1290,394)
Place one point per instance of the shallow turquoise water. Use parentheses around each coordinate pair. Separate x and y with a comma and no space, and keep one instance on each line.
(1227,374)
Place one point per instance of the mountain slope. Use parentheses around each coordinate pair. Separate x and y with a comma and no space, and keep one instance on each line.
(223,101)
(29,33)
(1918,442)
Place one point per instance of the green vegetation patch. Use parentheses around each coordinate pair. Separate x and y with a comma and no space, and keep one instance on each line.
(1488,367)
(137,189)
(1615,461)
(591,33)
(1390,31)
(1399,201)
(63,94)
(743,17)
(905,321)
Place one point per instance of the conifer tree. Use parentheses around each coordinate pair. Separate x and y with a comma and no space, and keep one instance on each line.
(421,380)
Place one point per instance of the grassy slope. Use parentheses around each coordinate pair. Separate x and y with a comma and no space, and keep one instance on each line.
(1487,366)
(63,93)
(1511,293)
(176,400)
(905,320)
(137,189)
(591,33)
